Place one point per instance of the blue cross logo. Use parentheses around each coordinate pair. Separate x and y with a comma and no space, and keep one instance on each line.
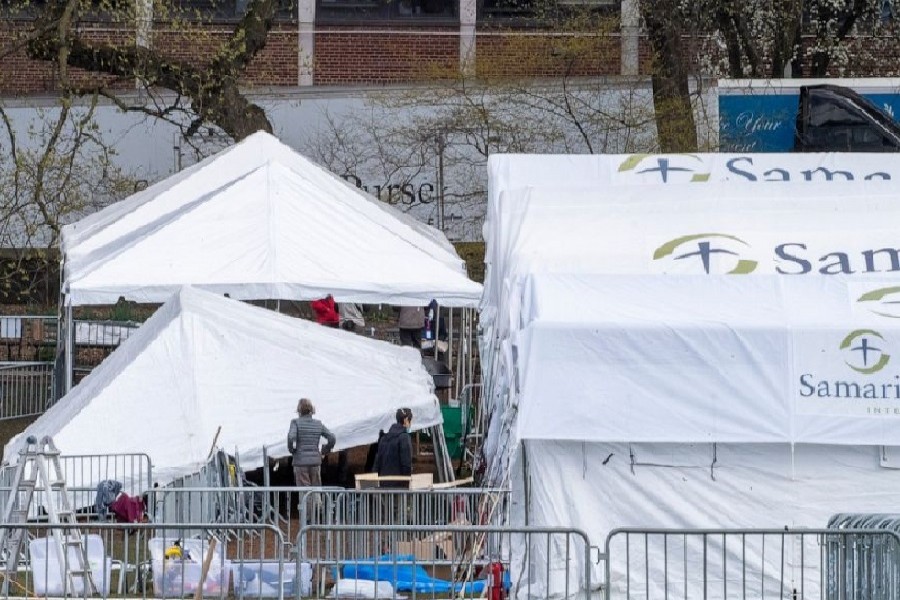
(705,251)
(663,167)
(867,357)
(865,348)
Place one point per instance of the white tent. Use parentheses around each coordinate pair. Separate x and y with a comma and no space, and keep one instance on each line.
(628,172)
(696,355)
(203,361)
(259,221)
(705,402)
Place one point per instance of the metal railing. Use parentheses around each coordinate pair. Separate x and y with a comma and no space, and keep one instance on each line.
(83,472)
(27,348)
(726,564)
(151,560)
(446,561)
(290,508)
(227,506)
(26,389)
(386,506)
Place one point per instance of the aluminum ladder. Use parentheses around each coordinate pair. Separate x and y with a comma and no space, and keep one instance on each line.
(39,469)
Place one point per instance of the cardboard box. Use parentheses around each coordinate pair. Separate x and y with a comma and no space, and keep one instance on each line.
(438,546)
(416,481)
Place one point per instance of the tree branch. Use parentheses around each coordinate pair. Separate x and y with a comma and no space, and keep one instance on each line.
(213,90)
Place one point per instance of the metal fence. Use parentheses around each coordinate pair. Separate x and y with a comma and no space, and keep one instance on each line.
(27,350)
(152,560)
(384,506)
(290,508)
(26,389)
(83,472)
(824,564)
(448,561)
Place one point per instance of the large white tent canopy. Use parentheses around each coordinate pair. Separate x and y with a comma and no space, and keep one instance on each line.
(259,221)
(204,362)
(701,359)
(691,355)
(625,230)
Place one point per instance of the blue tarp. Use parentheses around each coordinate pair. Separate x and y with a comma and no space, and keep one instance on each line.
(406,576)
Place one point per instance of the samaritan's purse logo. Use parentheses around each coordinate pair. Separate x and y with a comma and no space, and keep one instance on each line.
(701,245)
(862,351)
(884,302)
(663,166)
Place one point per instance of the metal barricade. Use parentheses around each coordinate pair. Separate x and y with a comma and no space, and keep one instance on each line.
(224,506)
(726,564)
(289,508)
(83,471)
(153,560)
(869,566)
(446,561)
(387,506)
(26,389)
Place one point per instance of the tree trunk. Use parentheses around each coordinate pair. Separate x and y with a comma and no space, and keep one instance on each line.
(671,95)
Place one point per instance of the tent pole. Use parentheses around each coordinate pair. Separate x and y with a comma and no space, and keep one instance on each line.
(69,347)
(450,338)
(527,488)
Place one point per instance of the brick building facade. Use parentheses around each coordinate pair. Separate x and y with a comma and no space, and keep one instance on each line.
(314,44)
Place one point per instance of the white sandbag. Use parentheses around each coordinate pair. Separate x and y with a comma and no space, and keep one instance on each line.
(363,588)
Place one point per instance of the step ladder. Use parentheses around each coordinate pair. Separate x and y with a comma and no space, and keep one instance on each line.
(39,470)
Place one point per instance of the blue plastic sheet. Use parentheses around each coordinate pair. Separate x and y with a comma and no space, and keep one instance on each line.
(406,576)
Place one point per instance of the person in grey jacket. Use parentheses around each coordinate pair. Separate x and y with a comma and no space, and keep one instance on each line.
(303,444)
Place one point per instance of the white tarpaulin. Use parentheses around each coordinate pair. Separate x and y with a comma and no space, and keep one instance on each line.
(799,230)
(641,338)
(705,359)
(259,221)
(600,487)
(203,361)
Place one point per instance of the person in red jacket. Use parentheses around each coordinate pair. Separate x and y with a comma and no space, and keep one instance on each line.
(326,311)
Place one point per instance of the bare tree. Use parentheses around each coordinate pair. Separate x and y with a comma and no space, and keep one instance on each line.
(439,136)
(54,169)
(207,92)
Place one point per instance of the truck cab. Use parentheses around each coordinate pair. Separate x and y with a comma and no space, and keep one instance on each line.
(833,118)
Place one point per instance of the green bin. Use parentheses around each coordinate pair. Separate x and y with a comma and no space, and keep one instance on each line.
(453,430)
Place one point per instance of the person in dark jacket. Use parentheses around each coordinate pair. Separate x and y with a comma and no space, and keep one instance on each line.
(394,455)
(303,444)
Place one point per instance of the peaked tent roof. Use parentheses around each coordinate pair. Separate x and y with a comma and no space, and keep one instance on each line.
(258,220)
(204,361)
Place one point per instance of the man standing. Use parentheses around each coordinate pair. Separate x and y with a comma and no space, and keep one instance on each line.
(394,455)
(303,444)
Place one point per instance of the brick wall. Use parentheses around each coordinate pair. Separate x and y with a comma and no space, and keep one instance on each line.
(20,75)
(389,54)
(275,65)
(352,56)
(536,54)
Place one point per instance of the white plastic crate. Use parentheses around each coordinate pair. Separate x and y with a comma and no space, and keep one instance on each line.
(261,578)
(174,578)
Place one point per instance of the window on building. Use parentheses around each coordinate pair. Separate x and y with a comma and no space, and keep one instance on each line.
(231,10)
(541,10)
(387,10)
